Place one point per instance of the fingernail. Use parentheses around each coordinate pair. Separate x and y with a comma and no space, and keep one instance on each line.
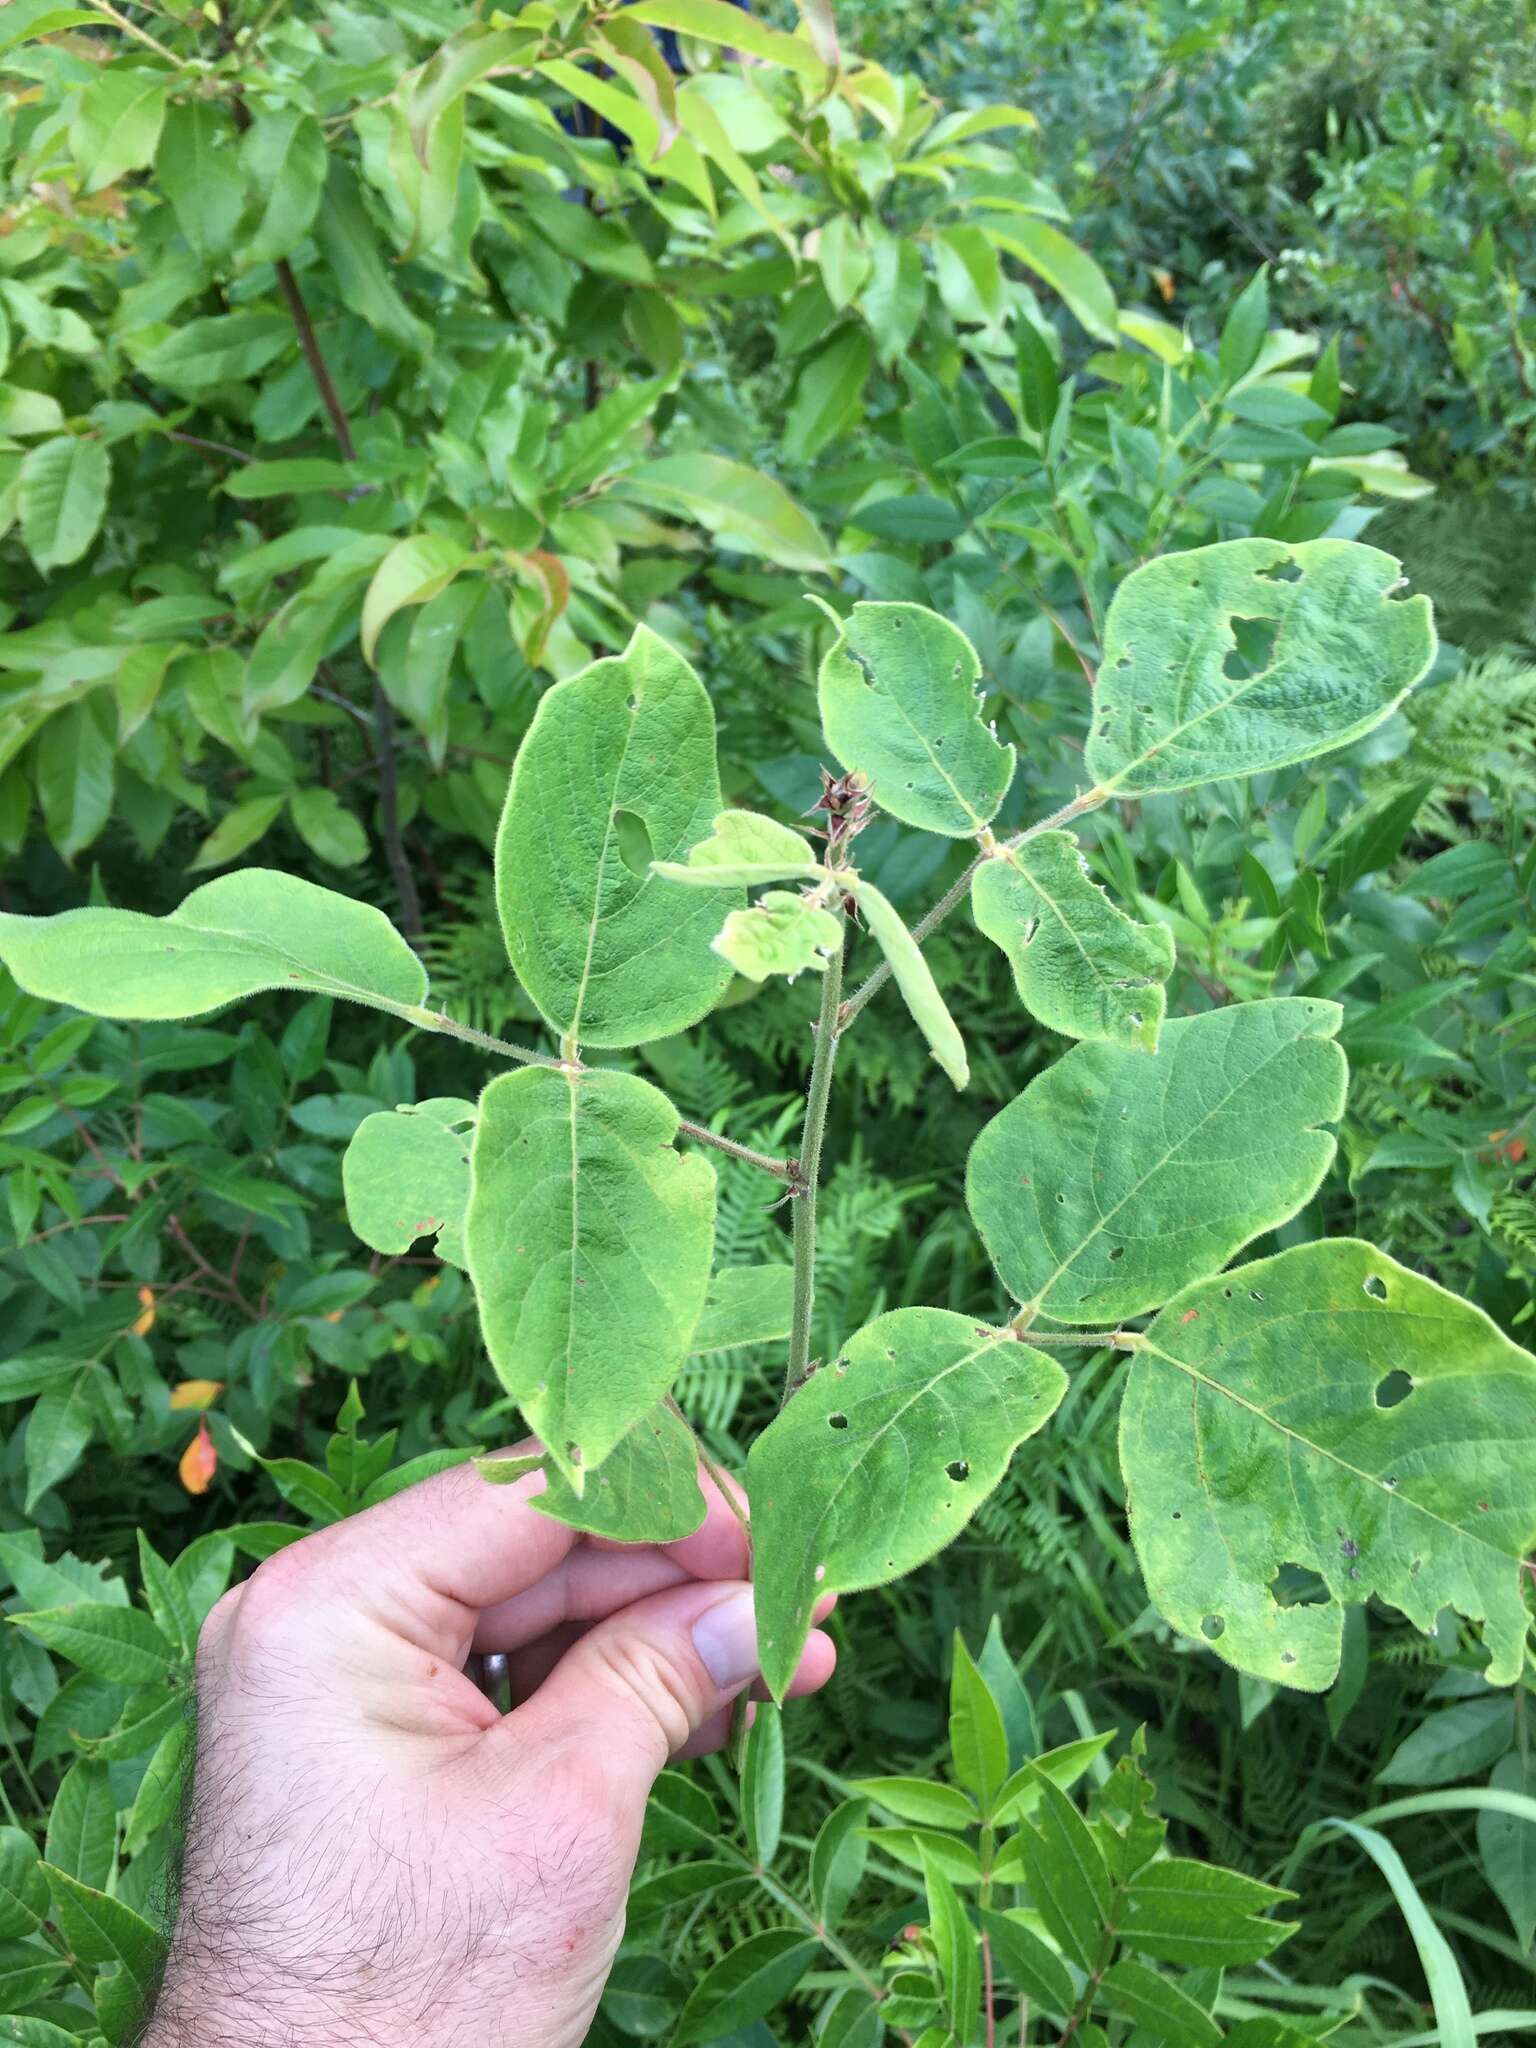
(725,1637)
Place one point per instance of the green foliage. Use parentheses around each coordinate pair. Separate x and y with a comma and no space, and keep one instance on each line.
(978,343)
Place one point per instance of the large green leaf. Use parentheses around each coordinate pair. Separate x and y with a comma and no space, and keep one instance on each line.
(1069,271)
(405,1175)
(203,180)
(117,121)
(881,1458)
(1233,659)
(243,932)
(899,704)
(1329,1410)
(1081,965)
(618,769)
(746,508)
(1118,1177)
(63,498)
(588,1240)
(745,1305)
(645,1491)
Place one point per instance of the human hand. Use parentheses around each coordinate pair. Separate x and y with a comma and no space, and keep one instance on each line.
(374,1853)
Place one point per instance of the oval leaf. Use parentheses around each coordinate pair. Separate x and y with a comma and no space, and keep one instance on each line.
(880,1459)
(243,932)
(1330,1410)
(588,1239)
(899,705)
(646,1490)
(413,571)
(1233,659)
(405,1175)
(622,753)
(1080,964)
(1115,1178)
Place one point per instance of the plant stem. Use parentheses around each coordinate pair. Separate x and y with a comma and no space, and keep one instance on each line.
(438,1020)
(389,814)
(829,1027)
(723,1484)
(828,1940)
(1090,800)
(383,711)
(131,28)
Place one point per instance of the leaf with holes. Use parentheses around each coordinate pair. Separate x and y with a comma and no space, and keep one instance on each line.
(588,1239)
(255,929)
(405,1175)
(617,771)
(645,1491)
(1233,659)
(744,849)
(900,706)
(1330,1411)
(1116,1178)
(779,934)
(880,1459)
(1080,964)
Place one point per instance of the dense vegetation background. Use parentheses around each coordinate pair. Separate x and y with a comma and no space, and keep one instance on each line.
(352,394)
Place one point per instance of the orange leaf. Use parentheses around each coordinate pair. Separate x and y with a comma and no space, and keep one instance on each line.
(196,1393)
(143,1324)
(199,1461)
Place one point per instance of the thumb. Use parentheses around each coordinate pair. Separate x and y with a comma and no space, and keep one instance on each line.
(638,1685)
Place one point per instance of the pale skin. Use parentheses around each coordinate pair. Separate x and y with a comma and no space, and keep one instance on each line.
(375,1854)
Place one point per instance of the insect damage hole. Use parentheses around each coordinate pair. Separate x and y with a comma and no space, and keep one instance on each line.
(958,1469)
(837,1421)
(1283,572)
(1376,1287)
(634,843)
(1254,648)
(1394,1388)
(1213,1627)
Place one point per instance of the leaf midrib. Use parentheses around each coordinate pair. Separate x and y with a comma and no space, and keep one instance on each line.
(1037,1301)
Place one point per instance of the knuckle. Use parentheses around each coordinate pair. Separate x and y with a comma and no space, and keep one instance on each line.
(652,1680)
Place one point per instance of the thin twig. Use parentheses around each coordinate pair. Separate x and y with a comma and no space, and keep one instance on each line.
(829,1027)
(438,1020)
(1090,800)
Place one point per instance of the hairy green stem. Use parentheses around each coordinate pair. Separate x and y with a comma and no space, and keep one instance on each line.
(1090,800)
(828,1029)
(438,1020)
